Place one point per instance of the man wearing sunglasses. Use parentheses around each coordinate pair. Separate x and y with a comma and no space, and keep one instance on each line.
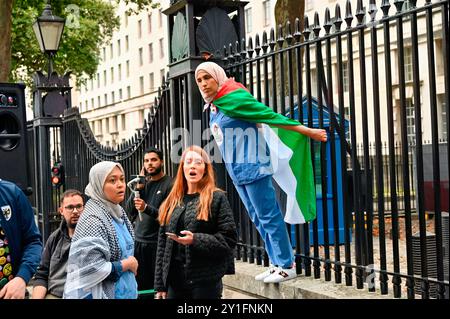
(51,274)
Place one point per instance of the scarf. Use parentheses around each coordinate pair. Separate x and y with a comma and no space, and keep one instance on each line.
(217,73)
(97,177)
(94,246)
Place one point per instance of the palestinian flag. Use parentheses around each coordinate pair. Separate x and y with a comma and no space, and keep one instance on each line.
(290,151)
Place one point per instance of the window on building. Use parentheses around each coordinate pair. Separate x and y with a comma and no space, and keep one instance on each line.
(104,78)
(92,126)
(107,126)
(99,102)
(266,10)
(149,23)
(408,64)
(141,85)
(113,97)
(139,26)
(162,74)
(151,80)
(119,72)
(345,82)
(128,68)
(141,117)
(406,6)
(118,119)
(313,73)
(104,54)
(111,50)
(439,57)
(161,48)
(114,124)
(99,127)
(410,121)
(141,58)
(98,80)
(124,123)
(118,48)
(150,53)
(92,103)
(160,18)
(92,84)
(128,92)
(112,74)
(120,94)
(248,20)
(126,20)
(106,98)
(127,44)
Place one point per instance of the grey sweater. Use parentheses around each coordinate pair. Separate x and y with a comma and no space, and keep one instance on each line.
(51,272)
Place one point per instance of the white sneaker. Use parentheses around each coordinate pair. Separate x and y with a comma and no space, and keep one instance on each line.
(267,273)
(281,274)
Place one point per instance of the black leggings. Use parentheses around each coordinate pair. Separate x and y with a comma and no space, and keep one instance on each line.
(179,288)
(207,290)
(145,254)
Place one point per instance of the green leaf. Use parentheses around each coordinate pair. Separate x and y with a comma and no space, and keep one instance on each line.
(89,25)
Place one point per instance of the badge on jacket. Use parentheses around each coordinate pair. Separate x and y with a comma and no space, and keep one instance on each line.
(7,212)
(217,133)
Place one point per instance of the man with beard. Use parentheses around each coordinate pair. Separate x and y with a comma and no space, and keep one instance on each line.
(50,276)
(157,187)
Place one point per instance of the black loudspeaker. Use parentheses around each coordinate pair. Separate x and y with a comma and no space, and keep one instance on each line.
(13,136)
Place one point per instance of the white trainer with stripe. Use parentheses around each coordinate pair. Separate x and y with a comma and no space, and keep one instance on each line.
(266,273)
(280,275)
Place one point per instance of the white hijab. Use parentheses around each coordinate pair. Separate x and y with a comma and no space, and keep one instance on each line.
(97,178)
(217,73)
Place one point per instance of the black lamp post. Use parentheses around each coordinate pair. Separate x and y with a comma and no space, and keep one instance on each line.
(48,30)
(51,96)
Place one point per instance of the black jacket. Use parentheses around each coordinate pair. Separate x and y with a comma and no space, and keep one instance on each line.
(154,193)
(210,255)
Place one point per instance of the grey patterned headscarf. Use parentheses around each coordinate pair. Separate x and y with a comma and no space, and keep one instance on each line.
(97,178)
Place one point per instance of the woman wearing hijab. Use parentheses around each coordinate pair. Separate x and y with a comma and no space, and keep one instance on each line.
(197,233)
(101,263)
(257,144)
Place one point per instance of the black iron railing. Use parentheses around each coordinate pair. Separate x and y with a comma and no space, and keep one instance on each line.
(382,177)
(381,188)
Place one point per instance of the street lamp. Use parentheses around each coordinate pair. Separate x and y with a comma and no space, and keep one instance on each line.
(51,96)
(48,30)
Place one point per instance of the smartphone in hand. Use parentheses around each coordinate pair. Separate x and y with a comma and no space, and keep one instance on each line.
(171,235)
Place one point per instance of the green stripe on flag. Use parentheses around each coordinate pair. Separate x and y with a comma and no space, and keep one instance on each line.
(242,105)
(301,166)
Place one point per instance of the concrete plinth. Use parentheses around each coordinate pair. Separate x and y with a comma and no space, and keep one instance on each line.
(299,288)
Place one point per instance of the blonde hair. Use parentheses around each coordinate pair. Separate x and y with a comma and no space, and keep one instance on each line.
(206,186)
